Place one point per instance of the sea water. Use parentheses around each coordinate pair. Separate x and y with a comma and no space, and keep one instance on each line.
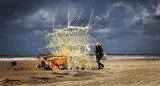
(114,56)
(122,56)
(14,57)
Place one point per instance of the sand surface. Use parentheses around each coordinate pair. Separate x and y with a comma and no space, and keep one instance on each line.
(117,72)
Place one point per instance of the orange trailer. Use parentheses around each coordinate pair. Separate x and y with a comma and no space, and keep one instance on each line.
(55,62)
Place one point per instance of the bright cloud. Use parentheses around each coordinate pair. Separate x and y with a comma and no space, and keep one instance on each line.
(136,18)
(157,10)
(105,30)
(38,32)
(41,16)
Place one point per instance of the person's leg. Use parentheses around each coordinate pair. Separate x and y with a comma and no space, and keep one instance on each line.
(98,61)
(102,65)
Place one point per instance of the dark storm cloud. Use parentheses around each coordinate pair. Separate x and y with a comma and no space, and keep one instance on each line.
(130,25)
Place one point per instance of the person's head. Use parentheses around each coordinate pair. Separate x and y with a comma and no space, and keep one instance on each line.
(96,44)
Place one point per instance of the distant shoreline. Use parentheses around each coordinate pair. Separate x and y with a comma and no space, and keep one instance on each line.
(48,54)
(30,57)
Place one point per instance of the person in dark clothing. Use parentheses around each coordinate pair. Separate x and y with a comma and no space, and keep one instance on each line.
(99,55)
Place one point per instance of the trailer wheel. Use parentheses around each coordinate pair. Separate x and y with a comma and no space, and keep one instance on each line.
(45,66)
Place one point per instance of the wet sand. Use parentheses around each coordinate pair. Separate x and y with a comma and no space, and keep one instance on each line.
(117,72)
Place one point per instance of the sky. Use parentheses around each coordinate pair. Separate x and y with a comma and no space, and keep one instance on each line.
(127,27)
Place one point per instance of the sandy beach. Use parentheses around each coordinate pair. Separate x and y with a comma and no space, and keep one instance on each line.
(117,72)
